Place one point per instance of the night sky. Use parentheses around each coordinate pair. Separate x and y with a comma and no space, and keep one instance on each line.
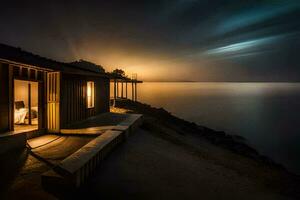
(170,40)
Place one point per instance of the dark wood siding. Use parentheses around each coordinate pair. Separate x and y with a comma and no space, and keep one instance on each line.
(74,100)
(101,95)
(4,100)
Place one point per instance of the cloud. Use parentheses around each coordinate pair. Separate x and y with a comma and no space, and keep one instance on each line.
(256,14)
(250,47)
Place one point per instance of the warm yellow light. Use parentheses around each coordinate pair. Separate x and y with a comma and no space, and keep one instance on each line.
(89,89)
(90,94)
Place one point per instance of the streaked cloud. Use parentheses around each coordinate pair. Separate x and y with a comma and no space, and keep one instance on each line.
(249,47)
(256,14)
(241,46)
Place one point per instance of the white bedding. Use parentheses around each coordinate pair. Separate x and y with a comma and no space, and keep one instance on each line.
(20,114)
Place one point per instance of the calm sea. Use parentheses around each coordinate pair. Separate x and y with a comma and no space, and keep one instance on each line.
(266,114)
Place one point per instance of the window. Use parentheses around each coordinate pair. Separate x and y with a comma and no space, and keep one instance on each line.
(90,94)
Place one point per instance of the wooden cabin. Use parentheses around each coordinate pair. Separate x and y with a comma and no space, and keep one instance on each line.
(41,95)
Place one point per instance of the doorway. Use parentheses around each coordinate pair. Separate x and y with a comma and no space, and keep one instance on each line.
(26,109)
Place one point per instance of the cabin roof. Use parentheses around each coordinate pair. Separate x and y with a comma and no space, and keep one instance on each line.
(18,55)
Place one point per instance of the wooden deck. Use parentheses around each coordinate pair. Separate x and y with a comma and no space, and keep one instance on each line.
(96,125)
(75,168)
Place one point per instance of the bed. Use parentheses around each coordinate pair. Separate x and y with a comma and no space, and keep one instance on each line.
(22,113)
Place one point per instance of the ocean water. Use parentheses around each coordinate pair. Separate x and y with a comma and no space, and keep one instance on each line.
(266,114)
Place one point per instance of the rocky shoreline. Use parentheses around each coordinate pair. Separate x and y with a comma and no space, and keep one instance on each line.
(237,144)
(273,175)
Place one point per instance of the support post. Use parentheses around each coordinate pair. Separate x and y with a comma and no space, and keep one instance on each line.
(45,108)
(29,104)
(115,92)
(132,90)
(126,89)
(11,96)
(135,91)
(117,88)
(29,98)
(40,106)
(122,89)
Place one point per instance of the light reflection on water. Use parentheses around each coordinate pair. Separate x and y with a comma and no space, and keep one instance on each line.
(267,114)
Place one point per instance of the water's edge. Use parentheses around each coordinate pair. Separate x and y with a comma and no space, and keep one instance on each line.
(234,143)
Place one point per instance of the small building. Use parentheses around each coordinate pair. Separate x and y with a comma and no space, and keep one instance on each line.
(39,95)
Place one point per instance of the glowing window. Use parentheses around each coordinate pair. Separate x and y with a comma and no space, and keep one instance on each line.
(90,94)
